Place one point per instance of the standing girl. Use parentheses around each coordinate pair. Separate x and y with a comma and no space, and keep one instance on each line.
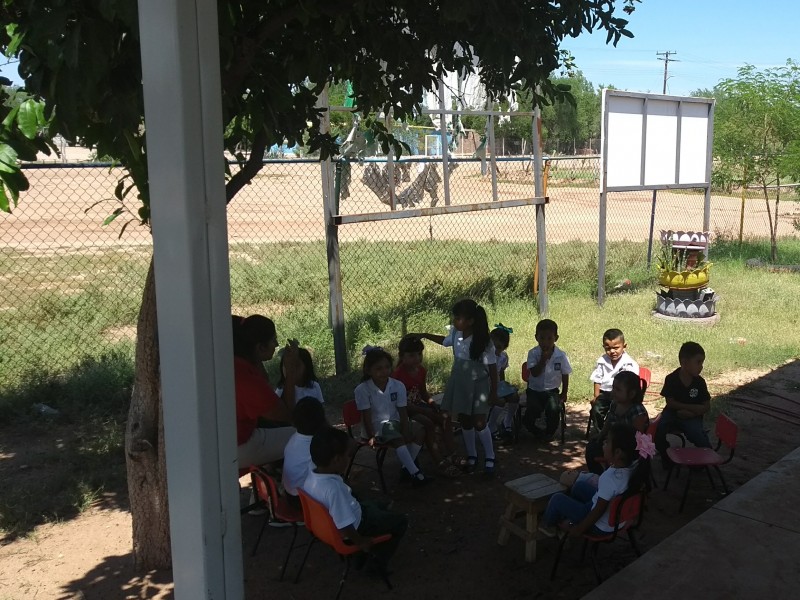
(627,395)
(472,386)
(507,394)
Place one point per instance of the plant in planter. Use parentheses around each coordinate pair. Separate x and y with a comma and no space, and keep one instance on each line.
(683,270)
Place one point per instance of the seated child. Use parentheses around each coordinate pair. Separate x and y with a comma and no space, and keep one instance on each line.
(586,507)
(307,384)
(421,407)
(687,399)
(309,418)
(507,395)
(627,395)
(382,402)
(549,369)
(613,360)
(357,522)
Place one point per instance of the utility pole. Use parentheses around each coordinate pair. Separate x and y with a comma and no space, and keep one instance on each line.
(666,60)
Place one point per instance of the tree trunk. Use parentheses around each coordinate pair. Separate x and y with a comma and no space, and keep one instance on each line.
(144,444)
(772,250)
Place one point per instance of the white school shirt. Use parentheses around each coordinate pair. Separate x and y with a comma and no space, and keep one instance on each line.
(502,362)
(312,391)
(296,462)
(604,372)
(556,366)
(334,494)
(612,483)
(456,340)
(384,403)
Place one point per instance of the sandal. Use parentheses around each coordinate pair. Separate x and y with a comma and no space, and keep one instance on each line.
(488,468)
(470,464)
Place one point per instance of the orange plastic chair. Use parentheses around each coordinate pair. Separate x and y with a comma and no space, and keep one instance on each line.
(320,524)
(352,417)
(704,458)
(518,418)
(279,509)
(625,516)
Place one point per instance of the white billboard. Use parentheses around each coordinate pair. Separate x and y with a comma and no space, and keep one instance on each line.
(655,142)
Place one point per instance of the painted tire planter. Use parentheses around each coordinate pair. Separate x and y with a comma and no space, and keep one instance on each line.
(686,240)
(705,306)
(684,280)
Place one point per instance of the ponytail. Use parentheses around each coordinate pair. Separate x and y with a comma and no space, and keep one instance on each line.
(480,325)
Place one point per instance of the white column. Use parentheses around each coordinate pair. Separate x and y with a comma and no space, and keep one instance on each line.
(180,65)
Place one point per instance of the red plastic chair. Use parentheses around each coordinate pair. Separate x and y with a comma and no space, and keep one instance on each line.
(279,509)
(518,418)
(625,515)
(352,417)
(704,458)
(320,524)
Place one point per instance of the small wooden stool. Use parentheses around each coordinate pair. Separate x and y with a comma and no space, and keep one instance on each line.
(528,496)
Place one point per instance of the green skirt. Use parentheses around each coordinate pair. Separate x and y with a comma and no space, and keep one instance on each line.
(467,390)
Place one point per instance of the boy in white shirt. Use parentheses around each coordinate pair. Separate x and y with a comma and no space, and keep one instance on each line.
(308,418)
(614,360)
(357,522)
(549,370)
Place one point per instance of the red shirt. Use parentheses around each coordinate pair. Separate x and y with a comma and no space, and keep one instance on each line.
(254,397)
(414,382)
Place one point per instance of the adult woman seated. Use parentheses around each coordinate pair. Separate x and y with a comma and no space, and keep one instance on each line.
(262,417)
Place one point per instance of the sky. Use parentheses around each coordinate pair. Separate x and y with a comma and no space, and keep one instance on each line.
(711,39)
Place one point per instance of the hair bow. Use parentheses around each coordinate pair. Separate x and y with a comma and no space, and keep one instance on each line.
(504,328)
(644,445)
(367,349)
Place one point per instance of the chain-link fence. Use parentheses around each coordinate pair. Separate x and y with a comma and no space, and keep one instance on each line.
(72,286)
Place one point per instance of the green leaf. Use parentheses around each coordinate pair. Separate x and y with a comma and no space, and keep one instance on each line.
(27,121)
(9,120)
(8,159)
(4,199)
(117,212)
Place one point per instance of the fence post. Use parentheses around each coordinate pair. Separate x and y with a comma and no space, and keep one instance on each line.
(331,209)
(541,229)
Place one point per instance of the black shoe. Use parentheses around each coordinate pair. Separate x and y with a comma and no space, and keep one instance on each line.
(420,480)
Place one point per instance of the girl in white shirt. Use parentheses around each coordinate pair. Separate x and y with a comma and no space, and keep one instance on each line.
(307,384)
(472,386)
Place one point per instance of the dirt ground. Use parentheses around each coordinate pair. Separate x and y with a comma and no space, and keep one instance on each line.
(451,547)
(64,210)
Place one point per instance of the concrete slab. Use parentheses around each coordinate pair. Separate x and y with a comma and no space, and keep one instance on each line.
(746,546)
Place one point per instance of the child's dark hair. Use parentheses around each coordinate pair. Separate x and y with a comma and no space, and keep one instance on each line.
(327,444)
(372,357)
(501,334)
(410,344)
(633,383)
(613,334)
(547,325)
(470,309)
(249,332)
(308,369)
(690,350)
(622,436)
(308,416)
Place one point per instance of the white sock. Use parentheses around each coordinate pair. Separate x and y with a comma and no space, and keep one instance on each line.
(413,449)
(405,459)
(511,410)
(469,442)
(485,436)
(494,415)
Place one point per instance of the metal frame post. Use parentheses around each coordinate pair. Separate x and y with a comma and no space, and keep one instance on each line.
(443,134)
(709,164)
(183,113)
(541,228)
(330,210)
(601,242)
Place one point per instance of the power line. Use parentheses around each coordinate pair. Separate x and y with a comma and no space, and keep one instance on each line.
(666,60)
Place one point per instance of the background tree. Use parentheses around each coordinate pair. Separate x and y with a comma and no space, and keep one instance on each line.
(276,56)
(756,133)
